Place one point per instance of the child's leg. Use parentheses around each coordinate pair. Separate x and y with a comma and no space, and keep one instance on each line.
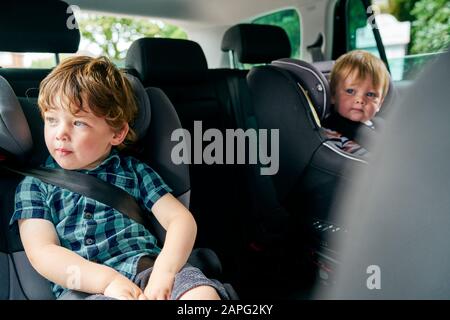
(190,284)
(201,293)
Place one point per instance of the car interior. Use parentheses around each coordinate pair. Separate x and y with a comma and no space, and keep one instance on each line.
(295,234)
(399,219)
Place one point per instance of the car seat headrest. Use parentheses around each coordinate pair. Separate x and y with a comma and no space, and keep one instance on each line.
(157,61)
(23,28)
(325,67)
(143,118)
(311,81)
(256,43)
(15,135)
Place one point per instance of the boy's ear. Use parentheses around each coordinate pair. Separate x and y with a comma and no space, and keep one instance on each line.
(120,135)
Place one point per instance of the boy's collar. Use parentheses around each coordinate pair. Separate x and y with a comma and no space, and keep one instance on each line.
(112,159)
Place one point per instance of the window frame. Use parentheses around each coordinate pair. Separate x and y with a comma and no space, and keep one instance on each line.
(341,30)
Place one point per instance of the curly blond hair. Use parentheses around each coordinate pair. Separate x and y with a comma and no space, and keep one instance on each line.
(96,83)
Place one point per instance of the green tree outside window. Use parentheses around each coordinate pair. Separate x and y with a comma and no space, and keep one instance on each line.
(114,35)
(429,33)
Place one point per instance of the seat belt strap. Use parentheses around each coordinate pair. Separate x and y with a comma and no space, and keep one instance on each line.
(88,186)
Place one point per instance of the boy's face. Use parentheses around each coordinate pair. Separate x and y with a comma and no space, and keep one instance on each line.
(80,141)
(357,99)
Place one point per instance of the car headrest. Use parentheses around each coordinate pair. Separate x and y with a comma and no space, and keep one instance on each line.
(167,61)
(325,67)
(311,81)
(142,120)
(256,43)
(15,135)
(23,28)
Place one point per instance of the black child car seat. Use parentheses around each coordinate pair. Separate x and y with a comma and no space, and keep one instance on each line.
(293,96)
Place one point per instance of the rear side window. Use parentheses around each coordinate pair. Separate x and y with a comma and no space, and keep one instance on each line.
(112,35)
(100,35)
(413,32)
(27,60)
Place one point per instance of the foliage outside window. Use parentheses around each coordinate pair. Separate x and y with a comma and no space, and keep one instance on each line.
(112,36)
(100,35)
(413,31)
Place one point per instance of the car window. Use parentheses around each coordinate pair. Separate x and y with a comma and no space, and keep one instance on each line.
(112,35)
(101,34)
(27,60)
(413,32)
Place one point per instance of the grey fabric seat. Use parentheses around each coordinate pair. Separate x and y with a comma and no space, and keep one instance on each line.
(18,140)
(193,91)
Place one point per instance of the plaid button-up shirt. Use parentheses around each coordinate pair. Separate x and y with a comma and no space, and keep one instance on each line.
(90,228)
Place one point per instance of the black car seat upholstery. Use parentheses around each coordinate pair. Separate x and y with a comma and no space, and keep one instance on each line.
(252,44)
(312,87)
(23,29)
(266,220)
(324,67)
(293,96)
(180,69)
(256,43)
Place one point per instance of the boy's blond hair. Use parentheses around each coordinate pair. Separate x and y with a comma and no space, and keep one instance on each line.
(364,64)
(83,81)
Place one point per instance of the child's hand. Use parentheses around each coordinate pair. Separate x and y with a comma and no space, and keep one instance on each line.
(159,286)
(123,289)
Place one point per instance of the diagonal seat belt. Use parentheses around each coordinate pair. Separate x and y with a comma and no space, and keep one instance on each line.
(88,186)
(119,199)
